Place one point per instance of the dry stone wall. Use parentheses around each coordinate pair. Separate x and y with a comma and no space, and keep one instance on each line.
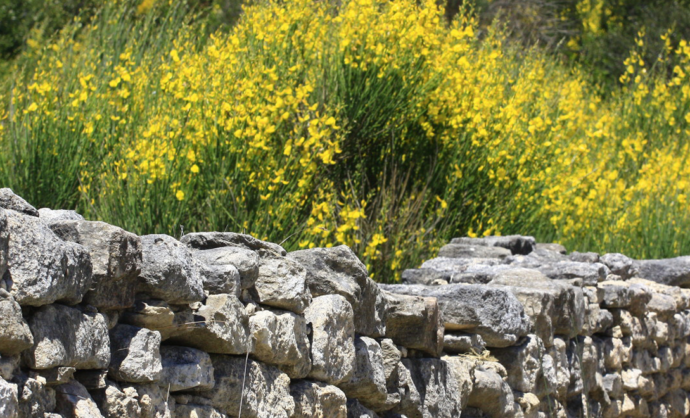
(98,322)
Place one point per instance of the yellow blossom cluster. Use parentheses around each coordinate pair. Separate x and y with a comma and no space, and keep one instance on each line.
(371,123)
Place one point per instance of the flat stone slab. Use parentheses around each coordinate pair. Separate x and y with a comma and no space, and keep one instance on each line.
(494,313)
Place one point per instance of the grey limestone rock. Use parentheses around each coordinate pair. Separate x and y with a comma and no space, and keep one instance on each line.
(116,257)
(282,284)
(219,326)
(553,306)
(266,389)
(587,257)
(318,400)
(56,375)
(185,368)
(135,355)
(9,365)
(155,401)
(218,271)
(150,313)
(458,265)
(494,313)
(244,260)
(368,381)
(472,251)
(437,388)
(92,379)
(49,216)
(73,400)
(591,274)
(114,402)
(337,270)
(670,271)
(9,200)
(537,258)
(491,394)
(357,410)
(620,265)
(523,363)
(35,397)
(425,276)
(65,336)
(414,322)
(209,240)
(553,247)
(169,271)
(15,335)
(633,296)
(463,372)
(43,268)
(9,401)
(333,333)
(197,411)
(282,338)
(517,244)
(458,342)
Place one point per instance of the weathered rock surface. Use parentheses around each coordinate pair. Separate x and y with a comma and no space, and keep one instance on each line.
(73,400)
(670,271)
(434,381)
(49,216)
(368,381)
(9,401)
(209,240)
(494,313)
(472,251)
(154,400)
(185,368)
(116,257)
(318,400)
(244,260)
(491,394)
(462,369)
(169,271)
(9,200)
(152,314)
(4,248)
(458,265)
(524,363)
(338,271)
(65,336)
(218,271)
(15,335)
(282,283)
(591,274)
(220,326)
(135,354)
(414,322)
(333,333)
(517,244)
(114,402)
(554,307)
(426,276)
(620,265)
(43,268)
(282,338)
(463,343)
(357,410)
(197,411)
(266,389)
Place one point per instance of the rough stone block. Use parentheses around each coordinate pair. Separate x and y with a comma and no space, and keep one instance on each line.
(65,336)
(185,368)
(43,268)
(337,270)
(135,354)
(414,322)
(116,257)
(333,348)
(282,284)
(15,335)
(169,271)
(318,400)
(494,313)
(282,338)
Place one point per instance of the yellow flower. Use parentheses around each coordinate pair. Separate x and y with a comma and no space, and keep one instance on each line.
(194,169)
(179,195)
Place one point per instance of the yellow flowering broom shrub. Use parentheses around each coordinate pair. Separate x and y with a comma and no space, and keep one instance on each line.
(373,123)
